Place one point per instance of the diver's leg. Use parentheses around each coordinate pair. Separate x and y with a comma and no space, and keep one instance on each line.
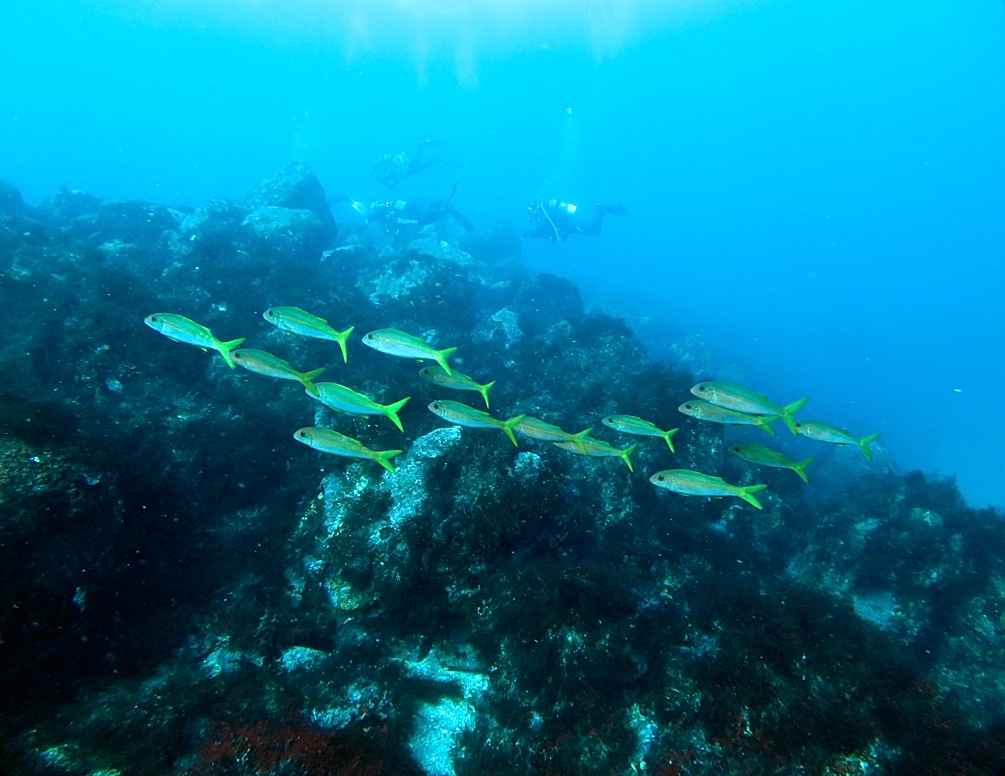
(461,219)
(418,164)
(593,228)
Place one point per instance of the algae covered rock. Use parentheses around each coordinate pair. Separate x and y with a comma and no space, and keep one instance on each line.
(199,593)
(11,201)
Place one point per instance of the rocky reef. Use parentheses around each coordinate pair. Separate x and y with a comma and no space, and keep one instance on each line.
(188,590)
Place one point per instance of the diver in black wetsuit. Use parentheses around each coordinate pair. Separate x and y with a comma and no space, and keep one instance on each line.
(555,220)
(403,218)
(392,169)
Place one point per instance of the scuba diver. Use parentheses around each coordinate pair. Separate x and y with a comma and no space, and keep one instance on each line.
(555,220)
(401,217)
(392,169)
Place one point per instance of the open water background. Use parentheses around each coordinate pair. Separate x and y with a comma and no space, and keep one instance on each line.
(818,189)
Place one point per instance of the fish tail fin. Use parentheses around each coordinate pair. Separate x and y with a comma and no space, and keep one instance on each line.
(392,410)
(747,494)
(384,458)
(765,423)
(800,469)
(226,347)
(668,435)
(508,427)
(307,380)
(442,356)
(626,456)
(484,391)
(864,443)
(577,439)
(789,410)
(342,338)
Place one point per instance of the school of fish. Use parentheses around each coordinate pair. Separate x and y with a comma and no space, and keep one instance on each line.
(715,402)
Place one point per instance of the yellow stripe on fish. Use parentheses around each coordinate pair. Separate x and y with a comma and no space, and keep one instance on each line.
(455,381)
(597,448)
(538,429)
(825,432)
(765,456)
(463,415)
(338,397)
(182,329)
(297,321)
(736,397)
(632,424)
(398,343)
(702,410)
(263,363)
(334,443)
(691,483)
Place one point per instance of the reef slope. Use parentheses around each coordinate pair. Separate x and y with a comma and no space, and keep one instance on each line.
(186,589)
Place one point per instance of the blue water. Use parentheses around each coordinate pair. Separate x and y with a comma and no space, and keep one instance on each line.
(817,189)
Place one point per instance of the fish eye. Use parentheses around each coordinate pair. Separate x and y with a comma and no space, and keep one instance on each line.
(687,406)
(153,319)
(701,387)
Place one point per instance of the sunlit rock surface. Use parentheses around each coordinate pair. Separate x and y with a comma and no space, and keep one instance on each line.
(186,589)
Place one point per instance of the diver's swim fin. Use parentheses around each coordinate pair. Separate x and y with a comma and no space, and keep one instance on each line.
(462,220)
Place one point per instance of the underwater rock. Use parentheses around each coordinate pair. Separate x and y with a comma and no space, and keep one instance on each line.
(297,187)
(548,298)
(395,284)
(59,524)
(503,325)
(527,468)
(249,603)
(66,205)
(11,201)
(440,249)
(283,233)
(143,224)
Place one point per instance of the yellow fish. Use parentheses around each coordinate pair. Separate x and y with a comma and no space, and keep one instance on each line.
(297,321)
(455,381)
(691,483)
(702,410)
(182,329)
(597,448)
(338,397)
(328,441)
(263,363)
(738,398)
(398,343)
(631,424)
(463,415)
(765,456)
(825,432)
(538,429)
